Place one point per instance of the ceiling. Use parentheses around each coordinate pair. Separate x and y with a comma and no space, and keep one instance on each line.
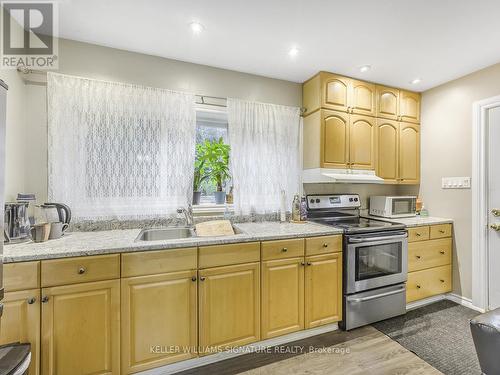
(435,40)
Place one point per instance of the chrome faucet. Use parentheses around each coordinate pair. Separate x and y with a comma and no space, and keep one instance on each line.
(188,214)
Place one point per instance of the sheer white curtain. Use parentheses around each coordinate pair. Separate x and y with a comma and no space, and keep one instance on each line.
(119,151)
(265,156)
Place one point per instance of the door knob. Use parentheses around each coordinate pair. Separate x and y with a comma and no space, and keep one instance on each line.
(495,227)
(495,212)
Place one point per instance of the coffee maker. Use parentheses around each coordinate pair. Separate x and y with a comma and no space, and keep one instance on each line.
(17,224)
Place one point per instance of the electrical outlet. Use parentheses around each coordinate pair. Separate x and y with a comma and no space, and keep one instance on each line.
(455,183)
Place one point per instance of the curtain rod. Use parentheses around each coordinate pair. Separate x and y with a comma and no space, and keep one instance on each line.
(200,99)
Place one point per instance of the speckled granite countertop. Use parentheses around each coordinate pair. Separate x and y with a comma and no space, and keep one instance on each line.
(416,221)
(75,244)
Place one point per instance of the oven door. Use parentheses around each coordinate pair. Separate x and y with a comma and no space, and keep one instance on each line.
(375,260)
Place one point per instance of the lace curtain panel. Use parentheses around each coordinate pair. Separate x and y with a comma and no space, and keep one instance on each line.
(119,151)
(264,141)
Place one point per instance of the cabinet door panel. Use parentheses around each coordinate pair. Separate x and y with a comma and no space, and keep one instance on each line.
(409,106)
(387,149)
(409,153)
(335,92)
(387,102)
(362,142)
(362,98)
(323,289)
(20,322)
(282,297)
(81,329)
(335,142)
(229,306)
(158,311)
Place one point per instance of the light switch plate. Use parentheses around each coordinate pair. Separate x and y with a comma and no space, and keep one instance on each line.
(455,183)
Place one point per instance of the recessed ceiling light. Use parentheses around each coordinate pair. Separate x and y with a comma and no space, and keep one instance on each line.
(364,68)
(416,81)
(294,51)
(196,27)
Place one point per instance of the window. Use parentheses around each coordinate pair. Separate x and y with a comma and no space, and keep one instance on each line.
(211,125)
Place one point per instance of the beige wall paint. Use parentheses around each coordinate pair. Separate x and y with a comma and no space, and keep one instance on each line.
(105,63)
(447,151)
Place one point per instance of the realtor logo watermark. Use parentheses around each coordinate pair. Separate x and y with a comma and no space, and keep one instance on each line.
(29,35)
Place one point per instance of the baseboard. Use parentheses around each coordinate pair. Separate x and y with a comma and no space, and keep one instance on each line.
(202,361)
(467,302)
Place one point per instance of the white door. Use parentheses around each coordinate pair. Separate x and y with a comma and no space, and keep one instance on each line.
(493,136)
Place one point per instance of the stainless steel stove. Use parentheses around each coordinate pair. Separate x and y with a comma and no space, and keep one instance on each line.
(375,255)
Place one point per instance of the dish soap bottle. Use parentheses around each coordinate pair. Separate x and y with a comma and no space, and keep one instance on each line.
(424,212)
(303,209)
(296,208)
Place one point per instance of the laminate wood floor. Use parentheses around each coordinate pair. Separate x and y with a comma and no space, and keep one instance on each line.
(362,351)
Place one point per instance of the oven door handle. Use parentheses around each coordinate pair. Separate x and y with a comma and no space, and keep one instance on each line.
(369,298)
(373,239)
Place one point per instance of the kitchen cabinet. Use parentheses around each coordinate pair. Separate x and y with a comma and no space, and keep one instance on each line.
(323,289)
(158,311)
(409,153)
(409,106)
(81,328)
(398,152)
(400,105)
(339,93)
(335,139)
(362,142)
(282,296)
(429,261)
(229,306)
(20,322)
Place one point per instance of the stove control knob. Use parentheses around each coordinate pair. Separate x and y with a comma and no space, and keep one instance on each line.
(355,199)
(312,201)
(317,200)
(350,199)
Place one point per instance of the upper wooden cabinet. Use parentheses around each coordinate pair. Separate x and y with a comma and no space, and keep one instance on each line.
(335,139)
(362,142)
(400,105)
(332,91)
(409,153)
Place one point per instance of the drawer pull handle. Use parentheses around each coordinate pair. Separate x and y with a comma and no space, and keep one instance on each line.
(81,270)
(441,231)
(441,280)
(418,286)
(202,278)
(417,234)
(45,299)
(193,278)
(325,245)
(442,252)
(31,300)
(418,256)
(284,249)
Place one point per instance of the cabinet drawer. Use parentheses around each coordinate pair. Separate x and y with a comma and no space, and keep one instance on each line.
(282,249)
(418,234)
(155,262)
(323,245)
(224,255)
(21,276)
(440,231)
(80,270)
(427,283)
(428,254)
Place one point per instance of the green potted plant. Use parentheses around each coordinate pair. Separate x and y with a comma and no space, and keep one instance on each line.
(200,172)
(217,164)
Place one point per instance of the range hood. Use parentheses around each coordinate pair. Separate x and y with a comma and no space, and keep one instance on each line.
(346,176)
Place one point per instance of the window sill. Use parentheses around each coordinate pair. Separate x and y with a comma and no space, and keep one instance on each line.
(209,209)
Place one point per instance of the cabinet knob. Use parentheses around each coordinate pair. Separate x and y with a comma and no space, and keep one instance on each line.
(325,245)
(417,234)
(441,280)
(302,264)
(45,299)
(193,278)
(418,286)
(31,300)
(442,252)
(418,256)
(202,278)
(284,249)
(308,263)
(81,270)
(441,231)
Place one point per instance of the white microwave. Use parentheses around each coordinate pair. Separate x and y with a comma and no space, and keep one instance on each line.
(393,207)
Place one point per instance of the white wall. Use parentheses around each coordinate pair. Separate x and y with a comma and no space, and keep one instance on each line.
(447,151)
(105,63)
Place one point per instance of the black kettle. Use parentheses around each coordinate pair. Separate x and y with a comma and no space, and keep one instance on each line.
(63,211)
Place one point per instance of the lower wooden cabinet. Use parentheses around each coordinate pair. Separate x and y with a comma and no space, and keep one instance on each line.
(81,329)
(229,306)
(323,289)
(282,297)
(159,320)
(20,322)
(427,283)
